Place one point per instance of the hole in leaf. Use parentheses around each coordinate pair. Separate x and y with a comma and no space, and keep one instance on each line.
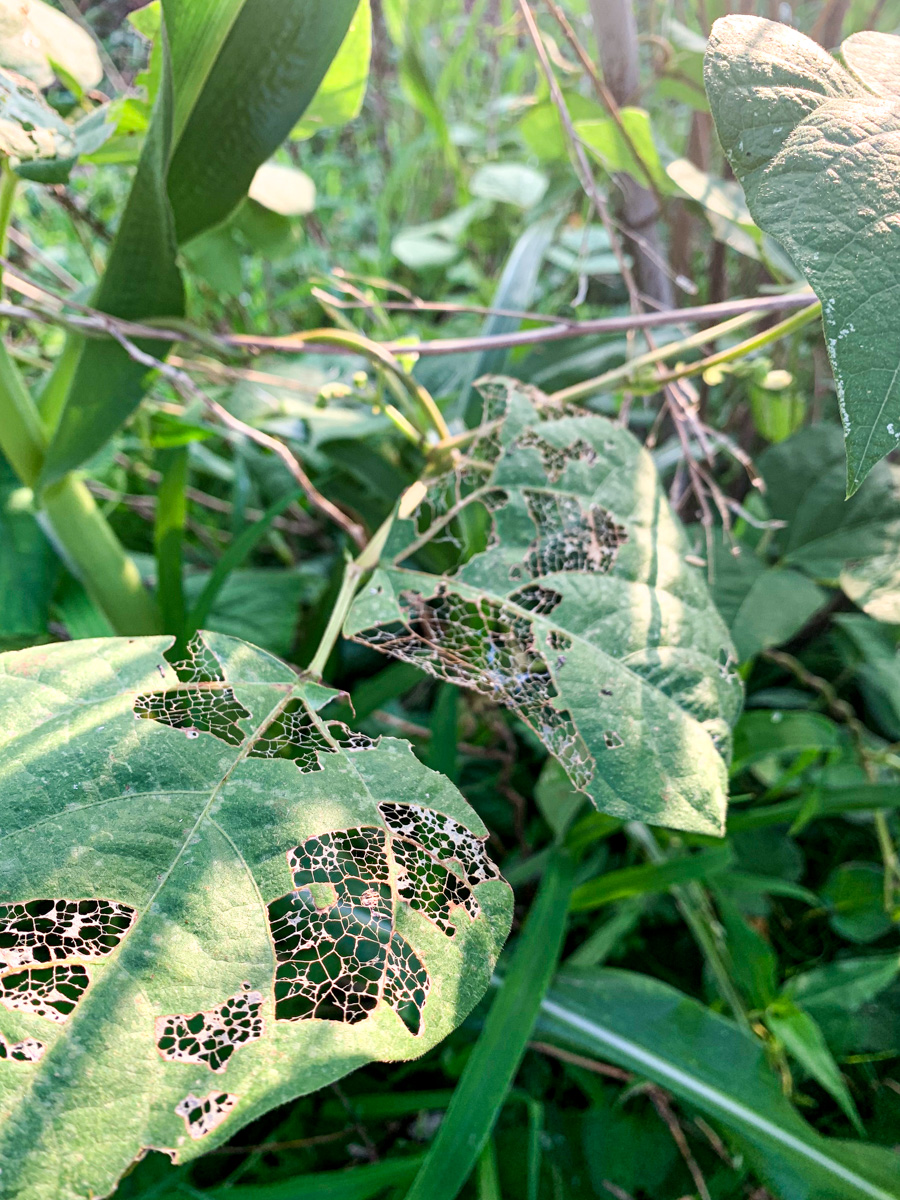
(211,1037)
(29,1050)
(203,708)
(483,644)
(338,962)
(570,538)
(611,740)
(44,931)
(553,459)
(536,599)
(202,1116)
(50,992)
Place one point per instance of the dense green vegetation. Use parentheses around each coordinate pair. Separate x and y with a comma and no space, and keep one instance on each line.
(461,359)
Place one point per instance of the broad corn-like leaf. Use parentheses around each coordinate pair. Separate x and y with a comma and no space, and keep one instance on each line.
(212,899)
(816,147)
(546,570)
(237,76)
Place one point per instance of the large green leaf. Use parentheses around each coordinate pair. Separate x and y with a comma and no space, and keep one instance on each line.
(829,538)
(211,900)
(815,146)
(547,571)
(707,1062)
(237,77)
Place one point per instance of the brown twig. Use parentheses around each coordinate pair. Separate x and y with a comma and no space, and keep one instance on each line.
(578,1060)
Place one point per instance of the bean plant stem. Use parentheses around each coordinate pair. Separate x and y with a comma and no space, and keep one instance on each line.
(355,569)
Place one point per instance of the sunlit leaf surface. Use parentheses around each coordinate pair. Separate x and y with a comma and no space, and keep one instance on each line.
(211,900)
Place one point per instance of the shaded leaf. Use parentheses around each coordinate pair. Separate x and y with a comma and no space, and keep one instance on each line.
(706,1061)
(847,983)
(511,183)
(854,893)
(558,586)
(803,1039)
(762,606)
(230,903)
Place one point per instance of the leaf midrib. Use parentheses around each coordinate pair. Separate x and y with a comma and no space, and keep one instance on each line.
(111,961)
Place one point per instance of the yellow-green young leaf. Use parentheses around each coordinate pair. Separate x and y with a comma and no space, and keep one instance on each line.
(342,91)
(816,148)
(606,142)
(37,39)
(282,189)
(547,571)
(212,899)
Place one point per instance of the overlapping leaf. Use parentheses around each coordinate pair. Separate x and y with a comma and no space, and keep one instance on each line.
(211,900)
(816,147)
(546,570)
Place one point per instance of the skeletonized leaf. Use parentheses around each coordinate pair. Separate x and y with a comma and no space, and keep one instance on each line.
(546,570)
(816,148)
(31,132)
(211,900)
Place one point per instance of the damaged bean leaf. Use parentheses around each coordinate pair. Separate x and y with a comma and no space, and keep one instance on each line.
(212,899)
(547,571)
(816,146)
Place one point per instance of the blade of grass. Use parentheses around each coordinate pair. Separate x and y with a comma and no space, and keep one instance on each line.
(242,545)
(492,1065)
(356,1183)
(649,877)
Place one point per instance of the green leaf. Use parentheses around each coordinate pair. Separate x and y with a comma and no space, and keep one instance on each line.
(356,1183)
(803,1039)
(706,1061)
(342,91)
(211,901)
(492,1065)
(511,183)
(39,42)
(854,892)
(29,567)
(847,983)
(826,535)
(238,76)
(762,606)
(813,145)
(547,572)
(762,732)
(650,877)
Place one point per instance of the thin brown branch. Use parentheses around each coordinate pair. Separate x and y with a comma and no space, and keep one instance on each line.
(578,1060)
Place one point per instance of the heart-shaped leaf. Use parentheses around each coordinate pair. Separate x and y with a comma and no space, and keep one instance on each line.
(547,571)
(816,148)
(211,900)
